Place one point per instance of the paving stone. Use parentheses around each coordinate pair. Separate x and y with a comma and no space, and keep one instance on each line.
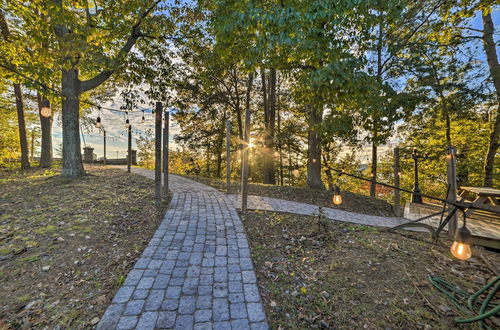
(255,312)
(204,302)
(238,311)
(134,307)
(251,292)
(184,322)
(123,294)
(235,286)
(173,292)
(147,320)
(166,320)
(248,277)
(203,326)
(220,310)
(222,325)
(260,326)
(140,294)
(203,315)
(187,304)
(127,322)
(240,324)
(161,282)
(145,283)
(154,300)
(170,304)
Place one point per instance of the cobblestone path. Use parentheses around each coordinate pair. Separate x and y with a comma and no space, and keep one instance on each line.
(195,273)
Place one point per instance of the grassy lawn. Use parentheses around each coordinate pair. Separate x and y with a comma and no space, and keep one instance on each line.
(328,274)
(66,245)
(351,202)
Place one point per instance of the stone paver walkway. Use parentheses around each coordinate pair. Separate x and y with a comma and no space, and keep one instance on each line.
(195,273)
(280,205)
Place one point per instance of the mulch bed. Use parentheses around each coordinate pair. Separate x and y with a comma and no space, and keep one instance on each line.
(317,273)
(66,245)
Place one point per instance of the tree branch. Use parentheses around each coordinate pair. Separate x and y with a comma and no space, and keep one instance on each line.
(135,34)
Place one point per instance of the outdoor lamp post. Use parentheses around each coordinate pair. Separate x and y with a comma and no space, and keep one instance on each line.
(415,196)
(45,109)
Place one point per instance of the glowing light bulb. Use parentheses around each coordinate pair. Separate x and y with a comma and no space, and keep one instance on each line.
(98,122)
(461,251)
(296,173)
(45,110)
(460,248)
(143,120)
(337,197)
(127,123)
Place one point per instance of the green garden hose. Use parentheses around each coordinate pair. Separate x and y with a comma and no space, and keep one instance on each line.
(481,309)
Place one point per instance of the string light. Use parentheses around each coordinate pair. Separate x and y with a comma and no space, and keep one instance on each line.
(45,110)
(337,197)
(143,119)
(460,248)
(127,122)
(98,123)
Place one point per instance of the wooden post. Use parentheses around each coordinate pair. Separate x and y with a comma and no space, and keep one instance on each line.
(228,155)
(158,113)
(165,153)
(397,196)
(244,168)
(104,146)
(451,166)
(129,155)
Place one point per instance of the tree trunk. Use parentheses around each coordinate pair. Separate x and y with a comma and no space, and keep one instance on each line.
(270,124)
(23,141)
(314,150)
(46,127)
(373,185)
(25,163)
(491,55)
(72,155)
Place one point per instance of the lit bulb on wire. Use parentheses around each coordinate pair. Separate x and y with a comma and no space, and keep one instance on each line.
(143,119)
(45,110)
(337,197)
(98,122)
(460,248)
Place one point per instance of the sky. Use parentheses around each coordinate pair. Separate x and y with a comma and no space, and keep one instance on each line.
(114,123)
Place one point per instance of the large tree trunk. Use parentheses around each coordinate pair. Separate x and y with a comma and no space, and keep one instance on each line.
(46,126)
(314,149)
(25,163)
(270,124)
(491,55)
(72,155)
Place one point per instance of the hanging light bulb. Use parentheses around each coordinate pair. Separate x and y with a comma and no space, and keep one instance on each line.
(337,197)
(45,108)
(460,248)
(143,119)
(98,122)
(127,122)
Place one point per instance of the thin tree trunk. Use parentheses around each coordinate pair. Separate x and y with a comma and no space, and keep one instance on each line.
(314,150)
(46,127)
(491,55)
(32,145)
(23,141)
(373,185)
(270,124)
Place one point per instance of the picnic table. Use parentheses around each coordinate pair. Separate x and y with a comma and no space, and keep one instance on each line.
(483,197)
